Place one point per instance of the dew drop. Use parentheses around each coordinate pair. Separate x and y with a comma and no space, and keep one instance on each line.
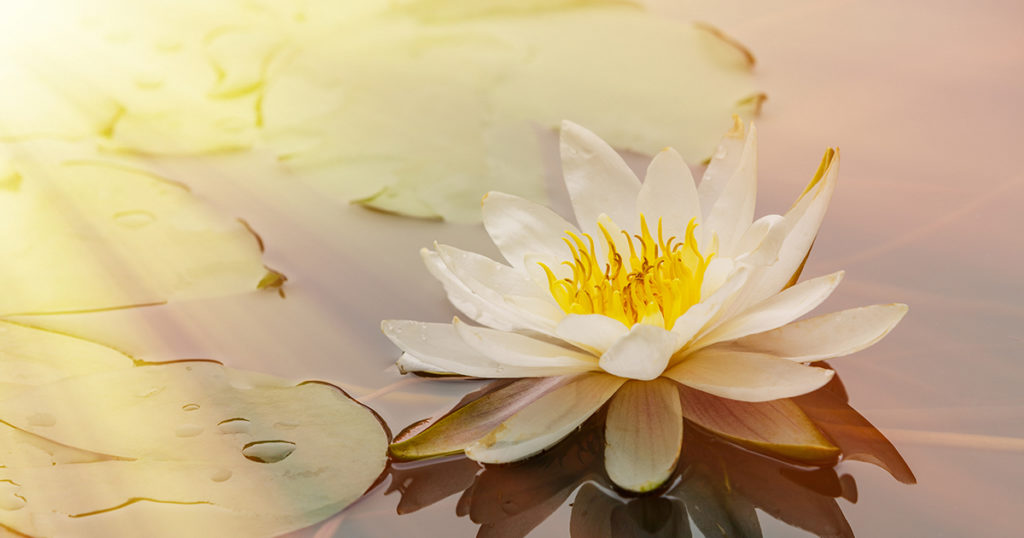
(233,425)
(42,419)
(188,430)
(133,219)
(190,407)
(220,475)
(720,152)
(268,451)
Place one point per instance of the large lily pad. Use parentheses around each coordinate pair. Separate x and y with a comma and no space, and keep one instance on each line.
(188,448)
(415,107)
(436,110)
(86,234)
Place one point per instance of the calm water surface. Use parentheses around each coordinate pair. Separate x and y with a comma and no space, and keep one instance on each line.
(923,99)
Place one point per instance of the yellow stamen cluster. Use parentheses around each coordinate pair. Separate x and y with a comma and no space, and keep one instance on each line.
(656,283)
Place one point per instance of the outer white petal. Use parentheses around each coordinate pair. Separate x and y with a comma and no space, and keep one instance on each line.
(546,421)
(437,348)
(469,303)
(774,311)
(643,434)
(642,354)
(748,377)
(733,210)
(669,192)
(593,332)
(520,227)
(800,229)
(597,178)
(512,349)
(827,336)
(473,267)
(489,305)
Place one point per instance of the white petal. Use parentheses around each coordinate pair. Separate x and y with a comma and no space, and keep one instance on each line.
(733,210)
(774,311)
(437,348)
(697,317)
(593,332)
(642,354)
(801,227)
(753,249)
(472,305)
(668,192)
(597,178)
(748,377)
(487,305)
(473,267)
(513,349)
(643,434)
(545,421)
(827,336)
(520,227)
(721,167)
(718,271)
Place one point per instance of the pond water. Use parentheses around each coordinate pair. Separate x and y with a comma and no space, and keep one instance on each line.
(922,98)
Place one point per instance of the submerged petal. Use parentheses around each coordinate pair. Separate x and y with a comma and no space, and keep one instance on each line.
(830,335)
(459,428)
(748,377)
(598,179)
(642,354)
(643,434)
(546,420)
(778,426)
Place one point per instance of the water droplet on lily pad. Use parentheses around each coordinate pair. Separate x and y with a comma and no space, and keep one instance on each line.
(268,451)
(233,425)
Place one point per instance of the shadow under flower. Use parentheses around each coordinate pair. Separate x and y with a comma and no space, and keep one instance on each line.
(716,488)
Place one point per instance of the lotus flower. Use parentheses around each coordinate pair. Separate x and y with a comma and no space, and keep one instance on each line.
(668,300)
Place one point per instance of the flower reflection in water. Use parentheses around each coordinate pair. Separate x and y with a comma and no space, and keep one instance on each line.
(716,487)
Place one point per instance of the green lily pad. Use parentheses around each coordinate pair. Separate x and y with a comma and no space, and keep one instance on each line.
(91,233)
(188,448)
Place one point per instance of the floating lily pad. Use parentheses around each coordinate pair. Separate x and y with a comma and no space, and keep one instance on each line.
(189,448)
(422,116)
(87,234)
(413,107)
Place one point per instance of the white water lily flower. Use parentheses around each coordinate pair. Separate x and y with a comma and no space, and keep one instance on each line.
(667,301)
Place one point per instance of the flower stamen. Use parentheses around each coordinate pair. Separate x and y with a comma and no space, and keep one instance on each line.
(660,282)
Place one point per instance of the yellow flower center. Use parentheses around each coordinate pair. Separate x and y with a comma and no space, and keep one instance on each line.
(658,281)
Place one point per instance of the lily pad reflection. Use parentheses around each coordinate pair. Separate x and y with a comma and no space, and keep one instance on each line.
(717,487)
